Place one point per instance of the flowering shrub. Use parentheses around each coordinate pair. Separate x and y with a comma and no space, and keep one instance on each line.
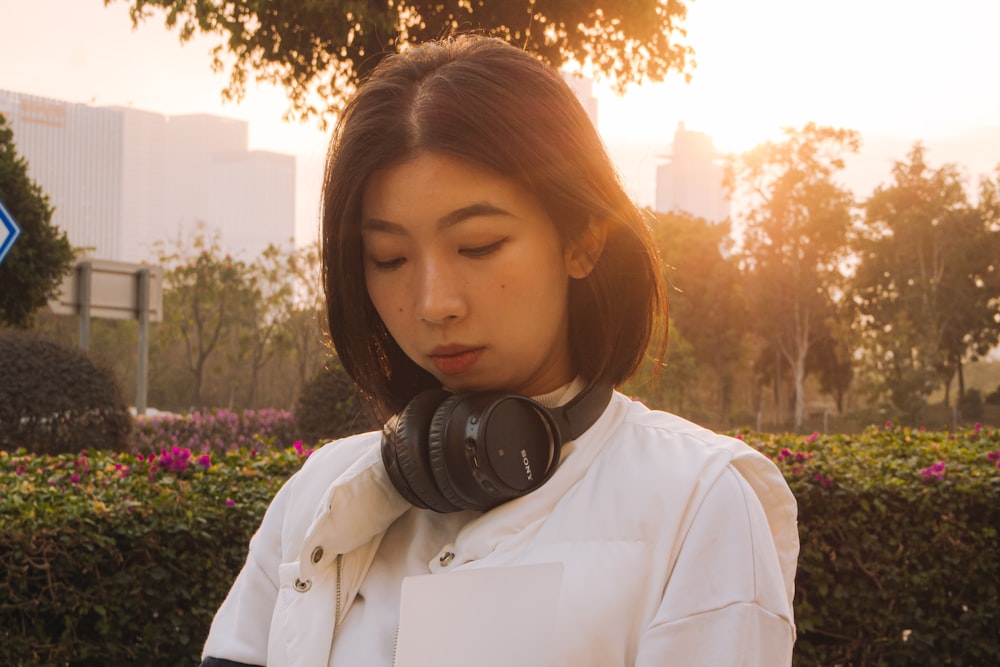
(215,430)
(898,531)
(122,559)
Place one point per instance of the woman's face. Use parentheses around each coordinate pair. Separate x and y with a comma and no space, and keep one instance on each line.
(469,275)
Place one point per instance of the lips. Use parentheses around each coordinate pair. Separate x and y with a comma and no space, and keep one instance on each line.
(454,360)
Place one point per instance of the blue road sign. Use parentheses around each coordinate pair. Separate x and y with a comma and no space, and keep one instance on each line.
(9,231)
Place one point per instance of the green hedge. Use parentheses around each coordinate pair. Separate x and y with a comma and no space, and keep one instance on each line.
(112,559)
(117,559)
(899,562)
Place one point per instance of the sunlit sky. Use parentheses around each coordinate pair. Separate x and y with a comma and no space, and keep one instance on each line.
(897,71)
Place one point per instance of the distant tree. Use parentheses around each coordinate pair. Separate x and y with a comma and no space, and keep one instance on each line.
(795,236)
(42,255)
(320,50)
(271,289)
(928,282)
(667,383)
(831,358)
(707,303)
(304,327)
(204,299)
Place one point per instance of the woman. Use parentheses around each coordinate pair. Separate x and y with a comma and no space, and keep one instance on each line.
(479,248)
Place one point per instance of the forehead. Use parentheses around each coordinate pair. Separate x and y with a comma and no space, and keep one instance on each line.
(444,189)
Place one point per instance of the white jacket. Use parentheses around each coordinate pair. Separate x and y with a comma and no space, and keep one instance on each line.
(678,547)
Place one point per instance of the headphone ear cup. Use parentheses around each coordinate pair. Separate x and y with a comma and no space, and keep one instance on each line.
(437,445)
(405,452)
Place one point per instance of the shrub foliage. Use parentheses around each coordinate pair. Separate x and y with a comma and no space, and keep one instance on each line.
(329,407)
(122,558)
(56,399)
(215,430)
(898,562)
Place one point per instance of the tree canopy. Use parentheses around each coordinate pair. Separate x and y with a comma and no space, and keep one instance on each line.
(42,255)
(318,51)
(707,302)
(794,238)
(928,281)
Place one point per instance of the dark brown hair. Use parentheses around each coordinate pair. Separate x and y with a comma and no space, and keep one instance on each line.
(480,99)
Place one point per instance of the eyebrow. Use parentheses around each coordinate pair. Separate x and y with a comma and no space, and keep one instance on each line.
(480,209)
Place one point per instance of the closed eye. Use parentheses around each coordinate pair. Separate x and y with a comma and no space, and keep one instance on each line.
(388,264)
(483,250)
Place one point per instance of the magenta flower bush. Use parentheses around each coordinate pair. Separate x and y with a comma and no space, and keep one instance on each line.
(890,454)
(215,431)
(122,558)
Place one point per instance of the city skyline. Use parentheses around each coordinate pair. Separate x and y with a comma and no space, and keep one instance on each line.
(898,72)
(121,181)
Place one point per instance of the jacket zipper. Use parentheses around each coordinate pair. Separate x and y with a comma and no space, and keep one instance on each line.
(340,576)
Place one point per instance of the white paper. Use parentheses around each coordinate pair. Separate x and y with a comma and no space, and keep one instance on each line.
(492,617)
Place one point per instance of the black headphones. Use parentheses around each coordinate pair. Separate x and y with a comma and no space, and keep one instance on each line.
(473,451)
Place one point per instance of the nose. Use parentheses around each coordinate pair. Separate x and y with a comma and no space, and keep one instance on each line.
(439,295)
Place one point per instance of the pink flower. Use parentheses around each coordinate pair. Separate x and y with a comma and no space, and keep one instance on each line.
(935,471)
(230,502)
(205,461)
(827,482)
(813,437)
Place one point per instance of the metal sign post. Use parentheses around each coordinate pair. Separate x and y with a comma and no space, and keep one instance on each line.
(115,290)
(83,281)
(142,314)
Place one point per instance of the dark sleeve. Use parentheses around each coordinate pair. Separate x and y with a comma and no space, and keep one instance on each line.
(219,662)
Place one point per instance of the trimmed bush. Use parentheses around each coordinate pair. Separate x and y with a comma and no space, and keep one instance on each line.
(122,559)
(329,407)
(899,563)
(56,399)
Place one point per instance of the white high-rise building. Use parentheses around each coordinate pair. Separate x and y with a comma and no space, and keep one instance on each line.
(692,180)
(121,179)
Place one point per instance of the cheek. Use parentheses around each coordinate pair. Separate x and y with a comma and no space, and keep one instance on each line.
(385,300)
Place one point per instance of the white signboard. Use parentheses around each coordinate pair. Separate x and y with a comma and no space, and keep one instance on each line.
(114,291)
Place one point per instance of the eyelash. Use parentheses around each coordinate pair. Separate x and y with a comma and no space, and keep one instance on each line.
(477,252)
(388,265)
(483,251)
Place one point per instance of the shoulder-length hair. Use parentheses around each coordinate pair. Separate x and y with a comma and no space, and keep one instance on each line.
(480,99)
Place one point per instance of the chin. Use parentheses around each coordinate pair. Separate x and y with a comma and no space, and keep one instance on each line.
(468,385)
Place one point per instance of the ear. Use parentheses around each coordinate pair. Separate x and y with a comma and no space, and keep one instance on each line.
(583,252)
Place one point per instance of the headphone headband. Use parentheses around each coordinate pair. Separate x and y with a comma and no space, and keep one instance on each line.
(449,452)
(574,418)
